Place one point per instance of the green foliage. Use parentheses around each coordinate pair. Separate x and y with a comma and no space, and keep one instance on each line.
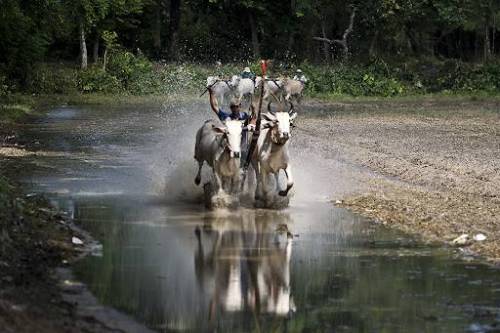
(110,39)
(52,79)
(5,88)
(127,67)
(408,78)
(136,75)
(95,79)
(354,81)
(456,76)
(22,41)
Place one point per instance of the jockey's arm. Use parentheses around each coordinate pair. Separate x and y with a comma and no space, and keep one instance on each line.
(213,102)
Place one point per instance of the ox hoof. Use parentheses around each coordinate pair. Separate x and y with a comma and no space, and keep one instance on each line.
(197,180)
(283,193)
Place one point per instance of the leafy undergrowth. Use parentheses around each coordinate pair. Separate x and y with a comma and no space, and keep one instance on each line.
(12,112)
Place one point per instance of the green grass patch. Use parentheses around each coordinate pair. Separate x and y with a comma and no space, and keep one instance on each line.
(13,112)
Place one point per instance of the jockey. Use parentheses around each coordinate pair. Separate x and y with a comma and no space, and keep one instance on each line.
(299,76)
(235,114)
(235,106)
(248,74)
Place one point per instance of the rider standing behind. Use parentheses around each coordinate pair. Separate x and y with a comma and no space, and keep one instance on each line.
(299,76)
(248,74)
(235,106)
(235,114)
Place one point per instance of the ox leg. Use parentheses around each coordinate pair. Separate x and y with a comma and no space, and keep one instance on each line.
(218,182)
(289,181)
(265,184)
(197,180)
(277,180)
(258,177)
(299,99)
(235,184)
(226,184)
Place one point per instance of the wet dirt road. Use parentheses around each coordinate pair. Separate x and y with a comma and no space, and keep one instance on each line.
(126,175)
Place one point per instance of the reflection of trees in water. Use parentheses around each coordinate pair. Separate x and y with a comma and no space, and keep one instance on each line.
(243,263)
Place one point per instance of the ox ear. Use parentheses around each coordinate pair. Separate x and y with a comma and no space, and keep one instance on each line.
(293,115)
(219,130)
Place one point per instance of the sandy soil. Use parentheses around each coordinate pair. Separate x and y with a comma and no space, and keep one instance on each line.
(431,169)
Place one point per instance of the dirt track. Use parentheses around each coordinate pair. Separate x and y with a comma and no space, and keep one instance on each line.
(436,165)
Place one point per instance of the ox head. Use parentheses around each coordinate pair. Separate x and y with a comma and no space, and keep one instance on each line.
(231,137)
(211,80)
(235,81)
(279,123)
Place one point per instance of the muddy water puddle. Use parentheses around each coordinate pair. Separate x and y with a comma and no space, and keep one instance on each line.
(126,175)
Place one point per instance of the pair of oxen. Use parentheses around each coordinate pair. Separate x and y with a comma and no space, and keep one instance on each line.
(219,145)
(283,87)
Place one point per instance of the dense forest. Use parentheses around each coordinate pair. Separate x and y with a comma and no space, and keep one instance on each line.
(83,33)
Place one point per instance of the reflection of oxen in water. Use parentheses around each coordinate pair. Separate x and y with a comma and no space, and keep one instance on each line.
(243,263)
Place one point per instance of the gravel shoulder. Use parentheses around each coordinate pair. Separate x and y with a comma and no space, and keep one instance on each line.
(430,169)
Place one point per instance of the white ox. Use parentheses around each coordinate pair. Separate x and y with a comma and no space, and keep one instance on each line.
(284,87)
(273,87)
(220,147)
(220,88)
(271,154)
(245,88)
(293,89)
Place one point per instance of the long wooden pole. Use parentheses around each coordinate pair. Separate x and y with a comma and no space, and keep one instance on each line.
(256,133)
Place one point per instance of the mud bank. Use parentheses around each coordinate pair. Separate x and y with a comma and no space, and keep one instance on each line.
(430,169)
(38,245)
(37,290)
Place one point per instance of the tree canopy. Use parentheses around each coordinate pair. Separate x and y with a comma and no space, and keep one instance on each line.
(317,31)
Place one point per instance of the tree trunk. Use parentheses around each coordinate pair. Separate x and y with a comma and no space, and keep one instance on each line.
(157,30)
(291,30)
(326,45)
(477,46)
(83,48)
(373,45)
(291,42)
(255,36)
(487,42)
(95,52)
(175,19)
(494,36)
(105,58)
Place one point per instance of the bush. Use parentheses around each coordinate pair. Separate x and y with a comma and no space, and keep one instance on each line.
(353,80)
(132,71)
(94,79)
(49,78)
(131,74)
(5,88)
